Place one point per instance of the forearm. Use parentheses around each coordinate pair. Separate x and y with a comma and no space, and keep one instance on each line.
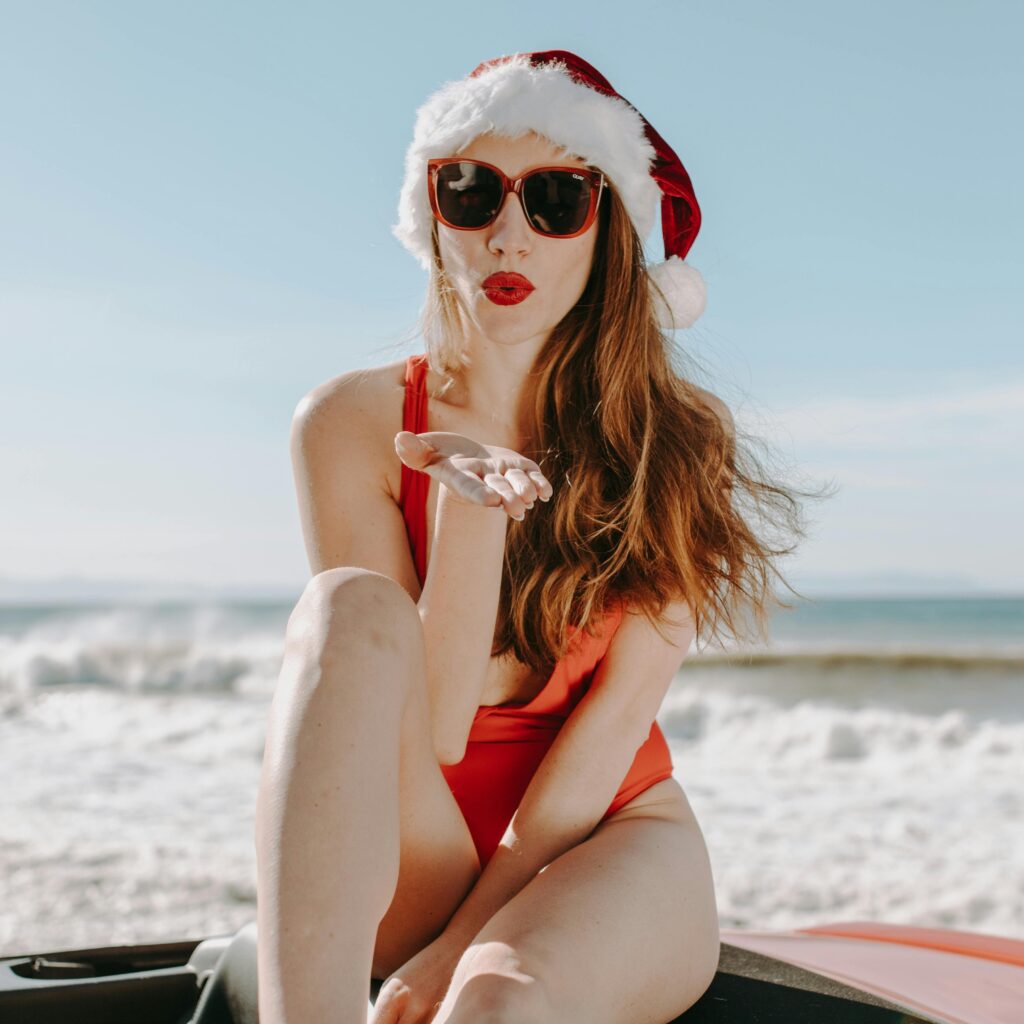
(515,862)
(565,801)
(458,608)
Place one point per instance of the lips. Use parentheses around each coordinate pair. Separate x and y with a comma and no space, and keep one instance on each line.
(507,289)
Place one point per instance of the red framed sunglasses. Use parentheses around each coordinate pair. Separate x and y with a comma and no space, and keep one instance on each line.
(559,202)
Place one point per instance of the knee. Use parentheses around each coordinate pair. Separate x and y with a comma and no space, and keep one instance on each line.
(349,588)
(497,984)
(349,604)
(500,1000)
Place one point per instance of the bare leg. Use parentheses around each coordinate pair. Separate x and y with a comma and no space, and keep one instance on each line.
(327,815)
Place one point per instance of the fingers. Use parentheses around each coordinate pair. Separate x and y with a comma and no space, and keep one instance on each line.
(380,1012)
(514,505)
(529,484)
(397,1004)
(519,489)
(466,484)
(540,481)
(516,489)
(387,1009)
(413,450)
(476,490)
(523,486)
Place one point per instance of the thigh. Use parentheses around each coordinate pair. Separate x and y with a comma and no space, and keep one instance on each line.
(621,929)
(438,863)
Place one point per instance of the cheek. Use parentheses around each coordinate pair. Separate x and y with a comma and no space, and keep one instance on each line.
(586,256)
(576,264)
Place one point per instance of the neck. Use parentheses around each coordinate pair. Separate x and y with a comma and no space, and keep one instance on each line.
(495,386)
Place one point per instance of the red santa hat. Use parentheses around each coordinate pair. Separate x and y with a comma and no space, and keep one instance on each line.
(563,98)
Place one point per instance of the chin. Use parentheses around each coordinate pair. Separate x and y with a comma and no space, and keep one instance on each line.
(509,321)
(507,335)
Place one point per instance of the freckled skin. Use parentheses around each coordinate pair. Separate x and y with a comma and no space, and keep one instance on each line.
(557,267)
(354,814)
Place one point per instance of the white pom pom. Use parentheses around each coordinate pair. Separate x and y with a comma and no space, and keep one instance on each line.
(684,290)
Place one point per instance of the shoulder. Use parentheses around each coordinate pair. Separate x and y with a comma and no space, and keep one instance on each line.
(718,407)
(360,405)
(353,392)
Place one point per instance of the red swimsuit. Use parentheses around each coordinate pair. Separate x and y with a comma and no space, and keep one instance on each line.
(507,742)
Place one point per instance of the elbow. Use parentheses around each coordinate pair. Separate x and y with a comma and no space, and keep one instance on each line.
(450,738)
(449,753)
(450,756)
(448,750)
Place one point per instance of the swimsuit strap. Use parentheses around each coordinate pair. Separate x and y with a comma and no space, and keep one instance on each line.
(412,497)
(414,487)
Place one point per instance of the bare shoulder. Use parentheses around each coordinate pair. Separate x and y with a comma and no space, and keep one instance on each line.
(347,474)
(362,405)
(360,391)
(719,407)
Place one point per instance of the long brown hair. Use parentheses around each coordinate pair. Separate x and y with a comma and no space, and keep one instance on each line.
(656,496)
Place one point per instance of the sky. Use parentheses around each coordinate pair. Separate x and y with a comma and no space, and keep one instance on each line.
(195,212)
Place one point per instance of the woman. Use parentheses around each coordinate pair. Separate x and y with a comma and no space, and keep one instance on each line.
(464,789)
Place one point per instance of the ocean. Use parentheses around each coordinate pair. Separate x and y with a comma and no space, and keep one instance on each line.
(865,764)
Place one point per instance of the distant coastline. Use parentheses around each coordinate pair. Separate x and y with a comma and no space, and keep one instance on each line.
(84,590)
(89,590)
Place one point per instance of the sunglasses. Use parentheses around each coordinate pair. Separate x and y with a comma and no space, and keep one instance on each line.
(559,202)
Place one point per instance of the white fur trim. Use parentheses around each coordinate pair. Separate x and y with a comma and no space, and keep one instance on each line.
(511,99)
(684,289)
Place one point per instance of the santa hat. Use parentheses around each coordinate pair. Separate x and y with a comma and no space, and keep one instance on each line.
(561,97)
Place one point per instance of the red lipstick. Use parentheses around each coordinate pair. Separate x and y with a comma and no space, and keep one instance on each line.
(506,289)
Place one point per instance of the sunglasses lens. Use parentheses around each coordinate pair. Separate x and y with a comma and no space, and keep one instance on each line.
(557,201)
(468,194)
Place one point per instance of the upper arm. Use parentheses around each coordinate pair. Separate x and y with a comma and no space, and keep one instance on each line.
(346,509)
(635,673)
(722,411)
(728,424)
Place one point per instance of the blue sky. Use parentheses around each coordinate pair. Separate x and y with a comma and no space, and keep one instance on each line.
(196,202)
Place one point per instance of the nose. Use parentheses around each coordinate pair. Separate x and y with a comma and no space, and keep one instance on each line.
(510,232)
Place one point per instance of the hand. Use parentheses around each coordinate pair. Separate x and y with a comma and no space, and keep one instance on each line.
(478,474)
(413,993)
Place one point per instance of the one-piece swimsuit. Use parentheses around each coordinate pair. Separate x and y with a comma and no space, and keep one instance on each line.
(507,742)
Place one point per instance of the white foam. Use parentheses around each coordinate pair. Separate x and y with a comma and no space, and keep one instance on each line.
(885,790)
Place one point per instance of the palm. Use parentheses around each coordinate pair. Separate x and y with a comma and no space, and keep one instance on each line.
(478,473)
